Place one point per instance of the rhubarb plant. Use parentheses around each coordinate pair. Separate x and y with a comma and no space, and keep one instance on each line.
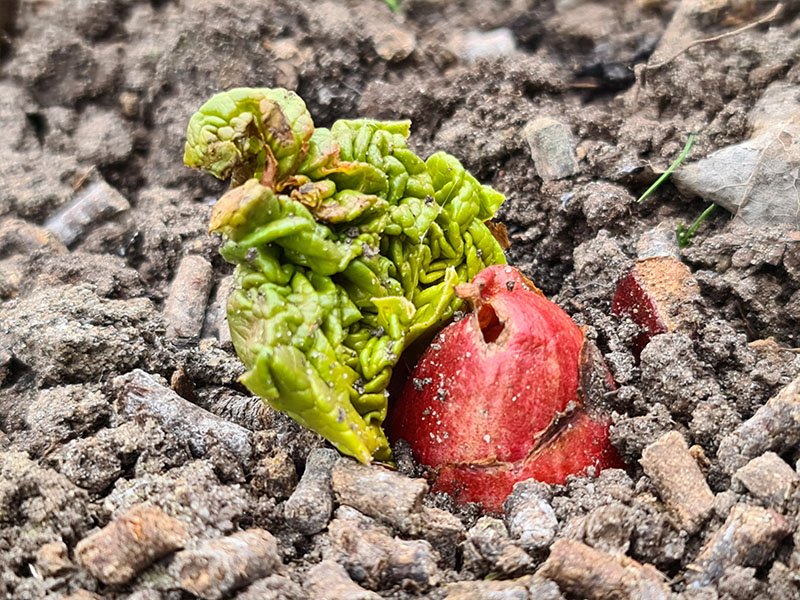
(347,246)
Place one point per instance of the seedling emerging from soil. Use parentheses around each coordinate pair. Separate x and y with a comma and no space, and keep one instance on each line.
(675,164)
(347,247)
(501,395)
(683,234)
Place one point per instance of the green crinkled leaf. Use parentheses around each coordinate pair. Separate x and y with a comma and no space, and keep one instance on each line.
(348,247)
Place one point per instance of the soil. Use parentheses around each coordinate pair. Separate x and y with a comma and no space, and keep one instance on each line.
(97,345)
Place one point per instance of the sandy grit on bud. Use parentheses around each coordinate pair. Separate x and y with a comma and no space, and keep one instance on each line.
(499,396)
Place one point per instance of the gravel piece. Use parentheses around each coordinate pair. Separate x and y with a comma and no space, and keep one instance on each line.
(529,587)
(393,43)
(441,528)
(530,519)
(52,559)
(95,202)
(377,492)
(82,595)
(679,481)
(129,544)
(329,581)
(489,550)
(595,575)
(140,395)
(274,587)
(309,508)
(217,567)
(185,308)
(769,478)
(775,426)
(748,538)
(552,148)
(373,557)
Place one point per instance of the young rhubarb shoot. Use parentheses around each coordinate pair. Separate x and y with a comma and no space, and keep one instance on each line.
(347,247)
(501,395)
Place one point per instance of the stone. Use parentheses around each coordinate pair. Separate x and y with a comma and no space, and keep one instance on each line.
(591,574)
(768,477)
(393,43)
(375,558)
(52,559)
(377,492)
(93,203)
(679,481)
(185,308)
(774,427)
(309,508)
(329,581)
(552,148)
(530,518)
(129,544)
(748,538)
(215,568)
(488,549)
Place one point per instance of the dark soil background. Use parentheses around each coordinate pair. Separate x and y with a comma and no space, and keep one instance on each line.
(118,396)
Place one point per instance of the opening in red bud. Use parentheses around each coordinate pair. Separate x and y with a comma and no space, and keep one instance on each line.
(491,326)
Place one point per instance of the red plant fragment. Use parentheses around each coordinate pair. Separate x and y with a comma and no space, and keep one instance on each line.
(497,397)
(659,294)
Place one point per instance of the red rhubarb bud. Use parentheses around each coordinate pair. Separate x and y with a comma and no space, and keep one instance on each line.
(498,396)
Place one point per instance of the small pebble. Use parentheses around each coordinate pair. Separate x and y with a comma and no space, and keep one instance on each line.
(185,308)
(768,477)
(679,481)
(95,202)
(552,147)
(329,581)
(377,492)
(219,566)
(584,572)
(129,544)
(375,558)
(775,426)
(748,538)
(52,559)
(530,519)
(309,508)
(489,550)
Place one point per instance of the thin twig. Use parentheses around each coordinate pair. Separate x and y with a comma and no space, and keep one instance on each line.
(765,19)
